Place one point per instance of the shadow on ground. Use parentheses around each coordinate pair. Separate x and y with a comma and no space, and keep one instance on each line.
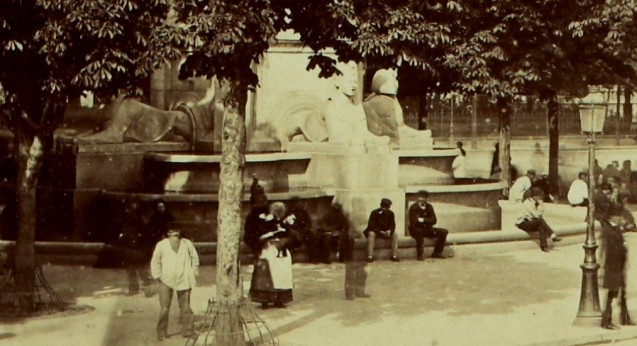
(462,286)
(458,287)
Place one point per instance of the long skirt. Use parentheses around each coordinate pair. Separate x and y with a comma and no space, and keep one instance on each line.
(272,278)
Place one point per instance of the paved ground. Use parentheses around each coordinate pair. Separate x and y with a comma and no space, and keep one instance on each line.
(489,294)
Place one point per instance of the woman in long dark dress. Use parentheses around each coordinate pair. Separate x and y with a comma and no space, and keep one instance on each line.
(272,275)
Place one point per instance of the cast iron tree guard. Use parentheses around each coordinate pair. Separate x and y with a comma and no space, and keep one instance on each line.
(589,314)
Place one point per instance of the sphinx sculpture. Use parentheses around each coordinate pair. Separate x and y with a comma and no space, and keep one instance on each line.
(345,119)
(191,118)
(385,115)
(302,116)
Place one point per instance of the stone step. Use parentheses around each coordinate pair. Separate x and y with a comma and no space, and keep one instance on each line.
(458,218)
(89,253)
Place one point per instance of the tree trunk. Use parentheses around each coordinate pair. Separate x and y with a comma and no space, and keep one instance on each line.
(29,158)
(504,107)
(628,106)
(474,121)
(33,139)
(553,113)
(617,114)
(229,287)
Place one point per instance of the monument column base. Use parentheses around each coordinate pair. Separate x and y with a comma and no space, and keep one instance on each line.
(359,176)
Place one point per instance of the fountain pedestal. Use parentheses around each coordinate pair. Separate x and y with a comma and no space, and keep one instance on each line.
(358,176)
(73,178)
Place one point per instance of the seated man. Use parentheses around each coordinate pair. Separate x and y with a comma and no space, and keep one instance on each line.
(333,226)
(625,172)
(521,185)
(611,170)
(382,224)
(422,218)
(299,222)
(578,192)
(531,219)
(252,229)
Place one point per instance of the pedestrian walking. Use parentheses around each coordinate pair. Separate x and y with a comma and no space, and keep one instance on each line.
(614,253)
(355,270)
(132,249)
(175,264)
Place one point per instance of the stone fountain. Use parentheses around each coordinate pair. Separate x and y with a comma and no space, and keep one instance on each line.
(307,138)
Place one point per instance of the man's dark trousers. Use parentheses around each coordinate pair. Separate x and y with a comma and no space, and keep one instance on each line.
(434,232)
(537,225)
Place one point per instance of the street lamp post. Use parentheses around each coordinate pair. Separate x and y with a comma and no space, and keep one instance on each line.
(592,122)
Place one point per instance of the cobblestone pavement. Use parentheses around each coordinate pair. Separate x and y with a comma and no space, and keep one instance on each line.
(489,294)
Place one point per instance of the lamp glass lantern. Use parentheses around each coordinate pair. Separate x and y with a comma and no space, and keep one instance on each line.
(592,118)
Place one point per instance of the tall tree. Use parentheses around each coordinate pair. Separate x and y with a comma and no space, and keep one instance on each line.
(611,25)
(54,50)
(535,48)
(226,39)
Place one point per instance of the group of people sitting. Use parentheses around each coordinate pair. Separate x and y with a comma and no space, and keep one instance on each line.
(578,194)
(422,219)
(273,232)
(610,211)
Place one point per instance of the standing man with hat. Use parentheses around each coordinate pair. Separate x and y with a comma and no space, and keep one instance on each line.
(422,219)
(382,224)
(521,186)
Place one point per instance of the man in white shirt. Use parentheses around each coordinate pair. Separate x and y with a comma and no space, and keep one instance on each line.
(521,185)
(175,264)
(531,219)
(578,192)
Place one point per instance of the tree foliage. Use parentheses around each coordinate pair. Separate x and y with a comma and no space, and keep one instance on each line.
(51,50)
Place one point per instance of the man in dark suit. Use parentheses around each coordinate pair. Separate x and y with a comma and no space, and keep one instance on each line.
(383,225)
(615,256)
(422,219)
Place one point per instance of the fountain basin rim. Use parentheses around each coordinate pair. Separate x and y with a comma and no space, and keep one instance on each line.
(495,186)
(168,197)
(216,158)
(427,153)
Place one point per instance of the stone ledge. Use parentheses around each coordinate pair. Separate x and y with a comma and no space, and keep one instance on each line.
(87,253)
(304,193)
(337,149)
(216,158)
